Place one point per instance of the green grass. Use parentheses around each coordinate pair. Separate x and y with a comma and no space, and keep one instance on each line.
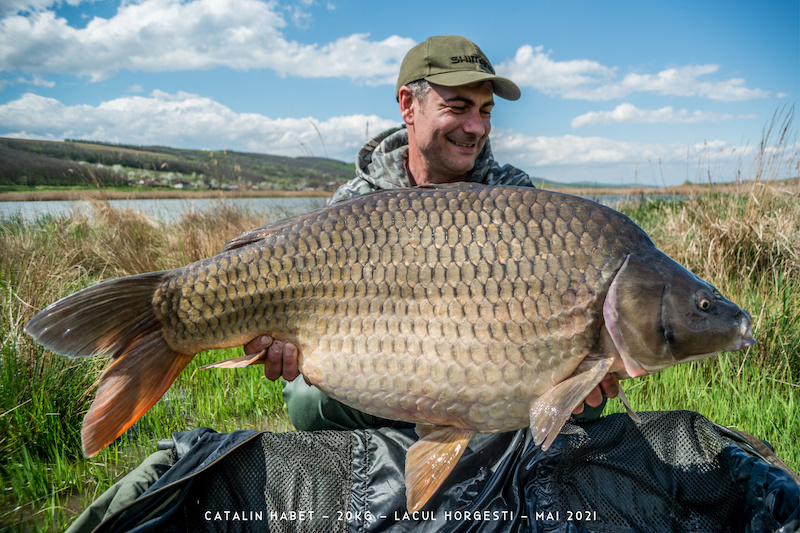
(749,248)
(730,392)
(46,481)
(45,478)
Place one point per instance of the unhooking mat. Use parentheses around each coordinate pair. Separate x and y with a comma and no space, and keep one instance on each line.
(675,471)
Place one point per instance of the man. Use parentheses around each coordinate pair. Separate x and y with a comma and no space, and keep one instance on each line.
(446,91)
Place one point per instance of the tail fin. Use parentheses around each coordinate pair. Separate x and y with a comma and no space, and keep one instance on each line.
(115,319)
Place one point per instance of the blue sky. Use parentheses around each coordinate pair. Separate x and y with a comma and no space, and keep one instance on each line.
(613,92)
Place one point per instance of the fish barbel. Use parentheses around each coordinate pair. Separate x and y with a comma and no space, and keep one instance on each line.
(461,308)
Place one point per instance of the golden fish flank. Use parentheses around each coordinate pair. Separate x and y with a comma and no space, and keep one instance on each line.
(466,307)
(419,281)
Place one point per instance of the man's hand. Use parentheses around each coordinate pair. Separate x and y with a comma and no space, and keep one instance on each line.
(609,388)
(281,357)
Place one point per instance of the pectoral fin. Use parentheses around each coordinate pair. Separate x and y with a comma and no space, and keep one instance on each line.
(430,460)
(550,411)
(628,408)
(239,362)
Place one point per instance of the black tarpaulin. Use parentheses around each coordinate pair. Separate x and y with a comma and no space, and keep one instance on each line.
(674,471)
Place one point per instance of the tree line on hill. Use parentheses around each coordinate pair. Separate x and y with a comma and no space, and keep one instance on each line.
(27,169)
(30,163)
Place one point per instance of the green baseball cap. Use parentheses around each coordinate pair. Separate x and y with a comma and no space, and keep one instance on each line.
(452,60)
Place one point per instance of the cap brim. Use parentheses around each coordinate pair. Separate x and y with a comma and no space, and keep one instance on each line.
(502,87)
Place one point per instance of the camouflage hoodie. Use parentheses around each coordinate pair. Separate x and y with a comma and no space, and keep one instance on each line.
(379,165)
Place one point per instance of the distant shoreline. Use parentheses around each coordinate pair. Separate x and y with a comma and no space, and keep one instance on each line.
(746,187)
(72,195)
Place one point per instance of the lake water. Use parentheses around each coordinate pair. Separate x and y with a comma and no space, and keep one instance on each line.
(170,210)
(166,210)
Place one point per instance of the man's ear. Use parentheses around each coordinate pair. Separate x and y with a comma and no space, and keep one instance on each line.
(407,105)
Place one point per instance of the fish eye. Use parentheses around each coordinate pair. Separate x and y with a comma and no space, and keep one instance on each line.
(703,300)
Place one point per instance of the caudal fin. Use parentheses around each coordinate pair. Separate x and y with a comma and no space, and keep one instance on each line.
(115,319)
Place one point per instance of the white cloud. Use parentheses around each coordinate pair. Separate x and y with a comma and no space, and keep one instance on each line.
(194,121)
(15,6)
(687,81)
(171,35)
(36,80)
(28,6)
(180,35)
(571,158)
(531,67)
(569,150)
(629,114)
(589,80)
(186,120)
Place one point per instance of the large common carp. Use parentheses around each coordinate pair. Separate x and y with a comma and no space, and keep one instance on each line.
(464,309)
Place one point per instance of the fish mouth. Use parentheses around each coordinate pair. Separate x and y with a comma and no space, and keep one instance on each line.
(741,342)
(744,340)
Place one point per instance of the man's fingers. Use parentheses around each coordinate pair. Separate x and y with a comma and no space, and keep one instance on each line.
(290,367)
(273,368)
(281,358)
(594,398)
(610,386)
(257,344)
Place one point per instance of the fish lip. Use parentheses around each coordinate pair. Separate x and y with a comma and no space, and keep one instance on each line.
(745,338)
(744,341)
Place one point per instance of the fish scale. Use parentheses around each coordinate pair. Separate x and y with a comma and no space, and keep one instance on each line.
(488,291)
(462,308)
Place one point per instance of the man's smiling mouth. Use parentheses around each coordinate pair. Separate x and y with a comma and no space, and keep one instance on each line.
(463,144)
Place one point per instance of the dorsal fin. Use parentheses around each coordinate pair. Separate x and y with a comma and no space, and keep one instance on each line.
(259,234)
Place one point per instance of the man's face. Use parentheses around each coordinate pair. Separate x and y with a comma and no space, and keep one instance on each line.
(448,129)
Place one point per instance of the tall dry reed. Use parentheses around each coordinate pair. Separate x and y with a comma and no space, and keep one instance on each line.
(198,235)
(746,241)
(56,256)
(751,229)
(733,236)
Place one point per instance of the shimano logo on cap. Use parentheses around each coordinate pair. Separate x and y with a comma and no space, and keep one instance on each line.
(471,59)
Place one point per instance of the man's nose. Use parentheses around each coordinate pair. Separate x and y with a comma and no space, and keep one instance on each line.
(474,124)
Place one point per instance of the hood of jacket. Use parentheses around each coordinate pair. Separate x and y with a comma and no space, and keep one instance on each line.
(380,161)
